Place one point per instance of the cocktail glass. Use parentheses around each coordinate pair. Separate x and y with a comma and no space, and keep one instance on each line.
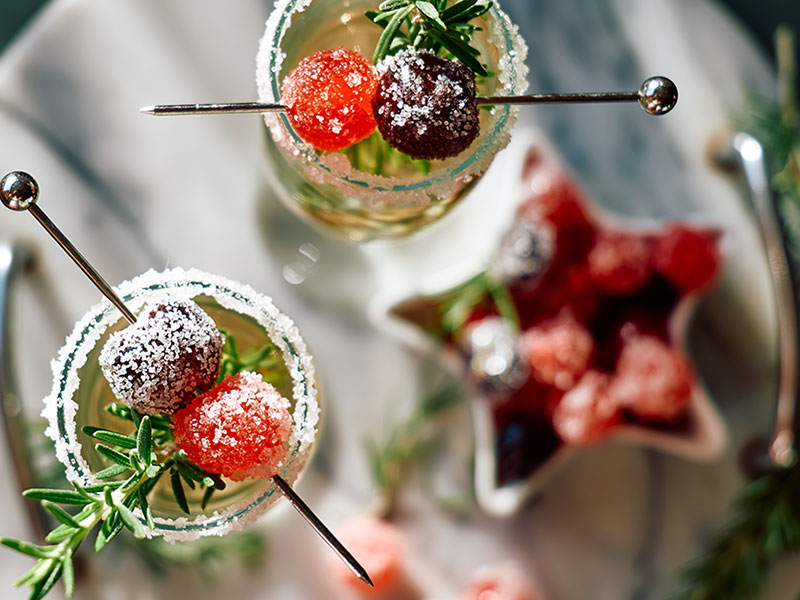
(324,187)
(80,394)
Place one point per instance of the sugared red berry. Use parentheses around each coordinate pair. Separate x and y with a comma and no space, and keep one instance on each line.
(500,582)
(328,98)
(425,105)
(585,413)
(378,547)
(558,350)
(653,381)
(619,262)
(686,257)
(237,429)
(163,360)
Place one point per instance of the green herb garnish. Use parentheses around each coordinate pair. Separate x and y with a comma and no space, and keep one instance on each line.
(480,290)
(138,462)
(433,26)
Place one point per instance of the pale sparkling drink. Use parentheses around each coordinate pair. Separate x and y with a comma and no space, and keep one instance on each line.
(325,187)
(80,394)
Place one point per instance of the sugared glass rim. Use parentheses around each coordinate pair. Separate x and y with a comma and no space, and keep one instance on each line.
(335,169)
(60,408)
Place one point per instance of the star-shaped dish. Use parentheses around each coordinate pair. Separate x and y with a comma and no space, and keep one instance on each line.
(572,334)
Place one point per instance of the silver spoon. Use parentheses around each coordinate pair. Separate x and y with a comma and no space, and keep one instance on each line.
(19,192)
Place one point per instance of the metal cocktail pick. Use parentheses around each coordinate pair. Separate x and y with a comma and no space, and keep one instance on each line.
(19,192)
(657,96)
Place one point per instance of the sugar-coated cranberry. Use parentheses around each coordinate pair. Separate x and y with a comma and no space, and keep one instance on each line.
(163,360)
(619,261)
(425,105)
(558,350)
(378,546)
(687,258)
(328,98)
(500,582)
(652,381)
(237,429)
(585,412)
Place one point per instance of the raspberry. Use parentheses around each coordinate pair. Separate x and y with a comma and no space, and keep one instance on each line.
(619,262)
(378,546)
(585,413)
(653,381)
(554,197)
(237,429)
(425,105)
(686,257)
(558,350)
(328,98)
(170,354)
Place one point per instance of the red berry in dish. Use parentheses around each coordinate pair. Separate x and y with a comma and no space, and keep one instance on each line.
(163,360)
(378,546)
(328,98)
(425,105)
(686,257)
(558,350)
(585,413)
(237,429)
(501,582)
(619,262)
(653,381)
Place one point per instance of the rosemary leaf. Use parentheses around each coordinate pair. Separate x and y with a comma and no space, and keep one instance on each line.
(144,441)
(113,455)
(178,491)
(130,521)
(390,5)
(60,514)
(459,49)
(430,12)
(111,437)
(68,573)
(112,471)
(57,496)
(206,497)
(44,586)
(27,548)
(391,29)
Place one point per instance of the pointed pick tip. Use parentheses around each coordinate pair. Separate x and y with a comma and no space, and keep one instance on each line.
(148,110)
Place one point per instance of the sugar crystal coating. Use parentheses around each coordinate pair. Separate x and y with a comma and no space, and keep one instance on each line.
(585,412)
(619,261)
(163,360)
(425,105)
(378,546)
(237,429)
(558,350)
(652,380)
(328,98)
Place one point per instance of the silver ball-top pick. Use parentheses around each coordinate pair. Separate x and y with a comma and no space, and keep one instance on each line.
(19,192)
(657,96)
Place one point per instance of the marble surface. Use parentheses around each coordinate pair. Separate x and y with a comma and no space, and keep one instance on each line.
(135,192)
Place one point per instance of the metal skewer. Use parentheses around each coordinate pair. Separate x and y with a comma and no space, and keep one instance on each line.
(657,96)
(19,192)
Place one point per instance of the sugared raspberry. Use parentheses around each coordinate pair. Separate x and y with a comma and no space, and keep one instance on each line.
(425,105)
(584,414)
(328,98)
(555,197)
(500,582)
(237,429)
(619,262)
(653,381)
(686,257)
(558,350)
(378,546)
(170,354)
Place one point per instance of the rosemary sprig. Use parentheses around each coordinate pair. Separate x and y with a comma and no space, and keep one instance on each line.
(480,290)
(374,155)
(430,25)
(409,442)
(138,461)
